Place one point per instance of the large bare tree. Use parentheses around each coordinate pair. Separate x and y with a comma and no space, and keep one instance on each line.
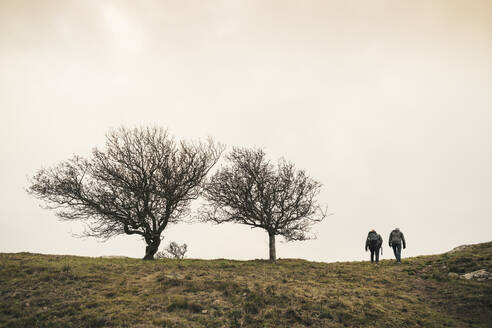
(252,191)
(139,183)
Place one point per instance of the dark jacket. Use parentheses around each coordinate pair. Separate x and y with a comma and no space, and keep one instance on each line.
(396,238)
(374,235)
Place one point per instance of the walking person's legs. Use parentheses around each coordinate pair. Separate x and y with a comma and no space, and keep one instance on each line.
(377,254)
(372,255)
(397,250)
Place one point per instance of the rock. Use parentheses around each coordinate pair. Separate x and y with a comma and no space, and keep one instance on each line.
(453,275)
(204,311)
(173,276)
(479,275)
(459,248)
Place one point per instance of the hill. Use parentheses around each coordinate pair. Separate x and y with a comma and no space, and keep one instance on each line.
(68,291)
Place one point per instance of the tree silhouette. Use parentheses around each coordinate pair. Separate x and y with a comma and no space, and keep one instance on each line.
(252,191)
(142,181)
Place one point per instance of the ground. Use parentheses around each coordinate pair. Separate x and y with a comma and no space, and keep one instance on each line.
(68,291)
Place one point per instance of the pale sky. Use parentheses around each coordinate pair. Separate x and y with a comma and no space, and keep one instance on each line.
(387,103)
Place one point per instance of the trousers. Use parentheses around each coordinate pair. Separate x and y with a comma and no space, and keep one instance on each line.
(375,253)
(397,251)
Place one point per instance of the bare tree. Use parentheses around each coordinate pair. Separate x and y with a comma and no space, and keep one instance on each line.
(142,181)
(252,191)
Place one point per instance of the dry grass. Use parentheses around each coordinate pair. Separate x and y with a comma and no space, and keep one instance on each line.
(68,291)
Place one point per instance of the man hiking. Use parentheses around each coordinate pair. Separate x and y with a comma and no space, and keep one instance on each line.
(396,239)
(374,242)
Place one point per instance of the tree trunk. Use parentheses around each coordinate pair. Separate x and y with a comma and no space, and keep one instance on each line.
(273,256)
(150,250)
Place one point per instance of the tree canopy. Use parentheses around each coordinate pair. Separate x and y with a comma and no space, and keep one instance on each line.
(251,190)
(140,182)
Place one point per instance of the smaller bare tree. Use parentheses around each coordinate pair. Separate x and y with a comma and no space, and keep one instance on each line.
(177,251)
(173,250)
(250,190)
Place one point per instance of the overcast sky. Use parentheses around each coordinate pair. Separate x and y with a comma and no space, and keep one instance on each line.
(387,103)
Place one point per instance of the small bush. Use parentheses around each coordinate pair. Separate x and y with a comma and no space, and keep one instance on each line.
(173,251)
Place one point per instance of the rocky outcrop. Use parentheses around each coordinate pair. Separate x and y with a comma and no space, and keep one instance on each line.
(459,248)
(479,275)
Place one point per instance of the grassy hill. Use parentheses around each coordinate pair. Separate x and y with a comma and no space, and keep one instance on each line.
(68,291)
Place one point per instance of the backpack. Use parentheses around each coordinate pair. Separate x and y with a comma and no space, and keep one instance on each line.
(373,240)
(395,237)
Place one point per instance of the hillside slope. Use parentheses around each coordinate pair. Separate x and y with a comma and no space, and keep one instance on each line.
(68,291)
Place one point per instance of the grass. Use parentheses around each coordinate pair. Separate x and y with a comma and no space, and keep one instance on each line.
(68,291)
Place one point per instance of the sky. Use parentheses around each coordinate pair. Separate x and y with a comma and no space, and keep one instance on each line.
(387,103)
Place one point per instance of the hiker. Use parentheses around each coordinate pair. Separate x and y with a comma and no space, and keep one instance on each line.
(374,242)
(396,239)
